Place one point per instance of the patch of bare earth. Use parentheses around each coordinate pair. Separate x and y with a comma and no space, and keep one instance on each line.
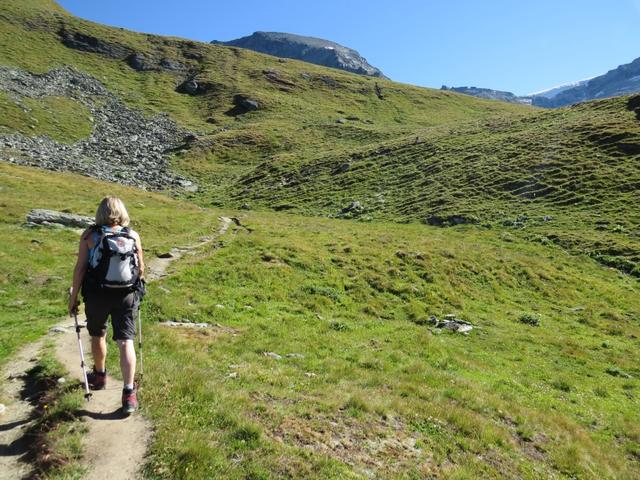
(373,446)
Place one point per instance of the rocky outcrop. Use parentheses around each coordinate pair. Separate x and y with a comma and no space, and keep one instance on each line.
(354,210)
(633,105)
(88,43)
(125,146)
(139,61)
(171,64)
(451,322)
(52,217)
(450,220)
(144,63)
(489,94)
(194,86)
(246,103)
(279,79)
(308,49)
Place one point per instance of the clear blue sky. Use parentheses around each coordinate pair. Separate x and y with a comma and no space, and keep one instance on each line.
(520,46)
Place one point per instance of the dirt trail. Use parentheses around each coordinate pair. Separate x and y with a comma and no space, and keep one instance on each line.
(18,417)
(114,445)
(157,267)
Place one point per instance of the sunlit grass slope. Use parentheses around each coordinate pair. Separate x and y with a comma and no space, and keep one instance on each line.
(371,389)
(405,153)
(570,176)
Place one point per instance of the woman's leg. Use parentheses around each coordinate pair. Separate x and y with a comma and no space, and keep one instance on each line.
(127,360)
(99,352)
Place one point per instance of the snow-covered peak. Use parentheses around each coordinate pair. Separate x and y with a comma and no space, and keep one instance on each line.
(552,92)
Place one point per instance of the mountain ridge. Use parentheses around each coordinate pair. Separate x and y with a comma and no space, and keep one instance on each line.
(622,80)
(308,49)
(490,94)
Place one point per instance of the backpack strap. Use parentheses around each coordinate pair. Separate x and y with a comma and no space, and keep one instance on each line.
(97,232)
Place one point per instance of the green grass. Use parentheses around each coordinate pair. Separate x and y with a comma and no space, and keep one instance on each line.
(413,154)
(545,386)
(62,119)
(566,177)
(509,400)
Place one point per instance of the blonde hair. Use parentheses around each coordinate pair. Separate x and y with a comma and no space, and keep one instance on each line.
(112,211)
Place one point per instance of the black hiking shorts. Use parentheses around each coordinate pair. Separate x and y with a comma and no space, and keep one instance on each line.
(121,306)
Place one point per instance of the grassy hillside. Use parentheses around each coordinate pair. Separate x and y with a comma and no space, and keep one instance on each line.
(372,387)
(405,153)
(300,102)
(566,176)
(577,159)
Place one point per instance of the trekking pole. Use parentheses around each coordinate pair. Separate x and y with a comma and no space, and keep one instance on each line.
(87,393)
(140,343)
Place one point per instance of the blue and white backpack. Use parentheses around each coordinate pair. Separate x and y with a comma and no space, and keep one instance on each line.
(113,261)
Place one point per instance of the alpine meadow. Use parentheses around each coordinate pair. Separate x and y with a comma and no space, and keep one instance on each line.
(411,283)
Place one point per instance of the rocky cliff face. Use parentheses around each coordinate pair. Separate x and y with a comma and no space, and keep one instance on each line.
(308,49)
(623,80)
(490,94)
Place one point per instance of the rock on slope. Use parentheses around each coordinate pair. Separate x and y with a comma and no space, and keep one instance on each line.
(308,49)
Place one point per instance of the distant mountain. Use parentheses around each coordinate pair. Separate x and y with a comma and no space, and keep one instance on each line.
(553,92)
(490,94)
(308,49)
(623,80)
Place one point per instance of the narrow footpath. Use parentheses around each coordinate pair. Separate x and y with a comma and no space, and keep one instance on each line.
(114,445)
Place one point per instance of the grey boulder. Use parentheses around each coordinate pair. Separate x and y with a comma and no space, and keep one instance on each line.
(52,217)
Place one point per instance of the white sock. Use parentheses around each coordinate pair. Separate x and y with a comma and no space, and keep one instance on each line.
(128,386)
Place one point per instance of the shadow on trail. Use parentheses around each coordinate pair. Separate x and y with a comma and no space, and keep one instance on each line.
(117,414)
(36,384)
(11,425)
(41,390)
(18,448)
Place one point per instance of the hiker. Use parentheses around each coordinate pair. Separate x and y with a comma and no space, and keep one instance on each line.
(109,272)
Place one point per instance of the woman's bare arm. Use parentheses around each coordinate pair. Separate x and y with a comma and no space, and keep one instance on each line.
(140,254)
(78,272)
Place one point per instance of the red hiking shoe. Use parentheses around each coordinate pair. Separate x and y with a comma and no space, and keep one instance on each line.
(129,400)
(97,380)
